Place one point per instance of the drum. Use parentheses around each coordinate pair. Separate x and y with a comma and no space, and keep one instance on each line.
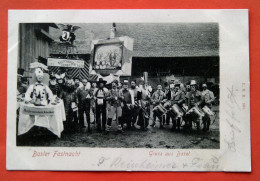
(208,111)
(167,105)
(197,111)
(176,111)
(185,108)
(159,110)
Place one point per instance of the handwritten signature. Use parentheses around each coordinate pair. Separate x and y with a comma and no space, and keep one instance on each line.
(233,106)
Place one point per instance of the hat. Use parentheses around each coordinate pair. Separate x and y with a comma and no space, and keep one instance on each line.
(193,82)
(20,72)
(177,81)
(159,86)
(77,78)
(125,81)
(115,81)
(177,85)
(204,85)
(100,80)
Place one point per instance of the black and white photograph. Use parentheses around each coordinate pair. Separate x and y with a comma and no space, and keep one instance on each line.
(129,85)
(135,90)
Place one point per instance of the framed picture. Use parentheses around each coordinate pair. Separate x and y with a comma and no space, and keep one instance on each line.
(108,56)
(111,56)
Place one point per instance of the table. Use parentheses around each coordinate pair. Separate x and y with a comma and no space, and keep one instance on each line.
(50,117)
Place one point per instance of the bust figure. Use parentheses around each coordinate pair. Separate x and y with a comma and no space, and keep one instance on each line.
(38,93)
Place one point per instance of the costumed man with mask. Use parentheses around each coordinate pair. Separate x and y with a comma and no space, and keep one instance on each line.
(60,78)
(22,83)
(135,107)
(126,99)
(101,94)
(69,97)
(157,98)
(22,86)
(84,96)
(207,100)
(53,85)
(193,98)
(178,99)
(114,108)
(38,93)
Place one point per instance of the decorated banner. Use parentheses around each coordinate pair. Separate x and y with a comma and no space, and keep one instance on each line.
(56,62)
(33,110)
(112,56)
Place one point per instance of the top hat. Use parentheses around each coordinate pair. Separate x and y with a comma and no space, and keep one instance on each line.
(204,85)
(125,81)
(100,80)
(193,82)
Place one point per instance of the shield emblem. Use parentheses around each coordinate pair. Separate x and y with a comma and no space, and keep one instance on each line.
(65,35)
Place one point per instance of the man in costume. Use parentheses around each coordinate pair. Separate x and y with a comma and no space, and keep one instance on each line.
(207,100)
(92,102)
(178,99)
(70,100)
(157,98)
(84,96)
(60,78)
(77,83)
(193,99)
(144,113)
(126,99)
(101,94)
(22,86)
(167,92)
(136,97)
(53,84)
(114,107)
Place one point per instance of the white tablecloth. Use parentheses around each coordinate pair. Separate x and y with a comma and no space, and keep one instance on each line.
(54,122)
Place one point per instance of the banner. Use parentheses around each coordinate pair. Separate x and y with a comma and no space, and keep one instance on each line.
(55,62)
(38,110)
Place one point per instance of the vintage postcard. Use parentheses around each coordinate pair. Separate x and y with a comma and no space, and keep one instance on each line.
(128,90)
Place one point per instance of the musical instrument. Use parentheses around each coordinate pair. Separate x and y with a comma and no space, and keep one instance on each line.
(176,111)
(167,105)
(196,111)
(185,108)
(159,110)
(208,111)
(144,107)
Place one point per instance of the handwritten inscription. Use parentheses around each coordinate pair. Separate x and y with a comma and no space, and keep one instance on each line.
(232,118)
(120,163)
